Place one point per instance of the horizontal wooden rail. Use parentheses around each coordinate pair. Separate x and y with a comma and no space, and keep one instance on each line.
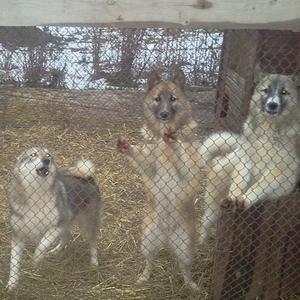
(216,14)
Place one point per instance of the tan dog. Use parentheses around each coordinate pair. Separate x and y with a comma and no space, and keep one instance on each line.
(46,202)
(171,177)
(170,172)
(166,106)
(262,162)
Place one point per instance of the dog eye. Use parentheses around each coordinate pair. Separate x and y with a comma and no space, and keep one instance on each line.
(47,155)
(157,99)
(173,98)
(33,154)
(284,92)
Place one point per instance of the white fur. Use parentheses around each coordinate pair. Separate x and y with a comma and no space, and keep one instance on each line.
(263,163)
(40,208)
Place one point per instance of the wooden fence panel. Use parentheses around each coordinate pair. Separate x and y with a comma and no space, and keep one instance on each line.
(258,252)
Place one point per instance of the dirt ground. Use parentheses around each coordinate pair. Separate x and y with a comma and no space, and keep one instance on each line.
(74,124)
(86,123)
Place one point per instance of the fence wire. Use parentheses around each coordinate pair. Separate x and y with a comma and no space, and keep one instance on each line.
(149,163)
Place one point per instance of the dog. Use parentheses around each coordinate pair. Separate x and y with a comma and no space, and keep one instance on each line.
(171,175)
(260,163)
(168,163)
(45,202)
(166,106)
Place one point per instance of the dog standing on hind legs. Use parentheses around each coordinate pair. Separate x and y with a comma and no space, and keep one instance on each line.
(170,174)
(46,202)
(261,163)
(165,106)
(169,164)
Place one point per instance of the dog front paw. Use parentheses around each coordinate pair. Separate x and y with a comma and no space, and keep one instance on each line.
(142,280)
(233,203)
(170,135)
(10,288)
(123,145)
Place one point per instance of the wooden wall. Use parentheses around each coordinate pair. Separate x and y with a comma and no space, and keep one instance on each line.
(258,252)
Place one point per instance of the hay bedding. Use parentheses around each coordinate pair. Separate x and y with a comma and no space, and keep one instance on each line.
(74,124)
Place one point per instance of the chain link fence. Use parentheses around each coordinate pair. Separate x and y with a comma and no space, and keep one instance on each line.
(117,125)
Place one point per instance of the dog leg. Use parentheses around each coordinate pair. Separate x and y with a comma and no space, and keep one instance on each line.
(150,258)
(273,184)
(89,225)
(184,267)
(94,252)
(218,179)
(64,239)
(90,234)
(152,240)
(47,240)
(134,154)
(17,247)
(182,244)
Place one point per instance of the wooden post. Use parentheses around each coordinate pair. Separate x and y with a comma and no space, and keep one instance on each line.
(258,252)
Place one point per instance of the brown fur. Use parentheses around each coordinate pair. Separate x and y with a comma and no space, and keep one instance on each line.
(180,111)
(169,164)
(170,172)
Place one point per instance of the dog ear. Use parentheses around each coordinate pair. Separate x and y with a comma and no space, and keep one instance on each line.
(259,74)
(180,79)
(153,80)
(296,79)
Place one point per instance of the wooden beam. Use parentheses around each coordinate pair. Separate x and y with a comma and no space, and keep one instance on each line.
(211,14)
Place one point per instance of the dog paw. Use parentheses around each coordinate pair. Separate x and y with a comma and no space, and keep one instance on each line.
(170,135)
(233,203)
(193,287)
(10,288)
(94,262)
(122,145)
(142,280)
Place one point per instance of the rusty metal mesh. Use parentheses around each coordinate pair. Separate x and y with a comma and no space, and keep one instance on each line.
(85,93)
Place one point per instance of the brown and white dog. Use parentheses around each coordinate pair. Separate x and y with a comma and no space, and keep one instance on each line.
(165,106)
(45,202)
(170,171)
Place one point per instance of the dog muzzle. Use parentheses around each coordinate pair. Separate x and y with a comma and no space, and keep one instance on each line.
(44,170)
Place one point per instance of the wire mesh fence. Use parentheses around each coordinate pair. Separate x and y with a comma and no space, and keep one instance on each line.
(114,130)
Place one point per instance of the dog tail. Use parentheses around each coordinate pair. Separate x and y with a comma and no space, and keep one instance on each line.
(218,144)
(83,169)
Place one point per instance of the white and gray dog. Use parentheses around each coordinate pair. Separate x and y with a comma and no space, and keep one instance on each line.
(44,204)
(262,162)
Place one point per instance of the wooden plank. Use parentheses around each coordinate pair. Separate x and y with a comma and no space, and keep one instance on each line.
(237,272)
(281,219)
(291,265)
(236,77)
(279,51)
(262,252)
(225,230)
(234,258)
(222,100)
(218,14)
(261,243)
(235,86)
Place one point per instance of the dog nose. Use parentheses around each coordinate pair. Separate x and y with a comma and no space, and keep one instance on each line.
(273,106)
(164,114)
(46,161)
